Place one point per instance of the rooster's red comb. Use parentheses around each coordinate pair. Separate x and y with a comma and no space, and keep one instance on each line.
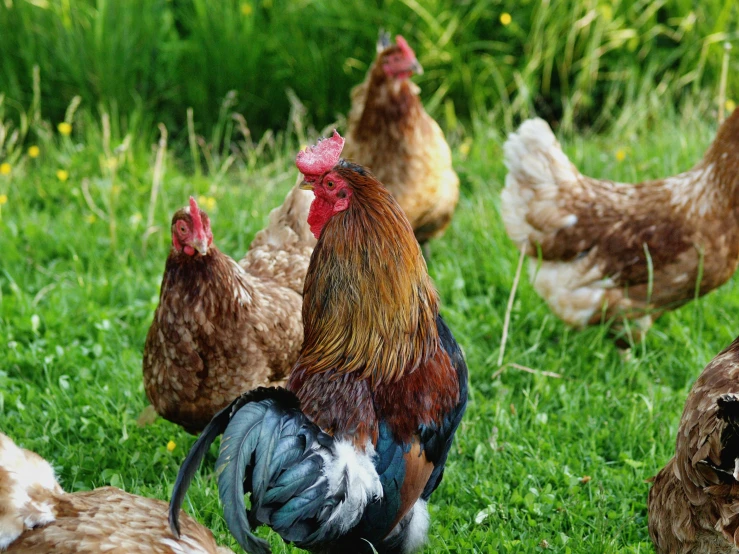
(405,48)
(317,160)
(197,221)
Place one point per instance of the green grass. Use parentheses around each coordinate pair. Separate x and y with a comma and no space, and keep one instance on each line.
(574,61)
(78,288)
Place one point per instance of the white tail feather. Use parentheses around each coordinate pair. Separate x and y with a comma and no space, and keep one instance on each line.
(537,168)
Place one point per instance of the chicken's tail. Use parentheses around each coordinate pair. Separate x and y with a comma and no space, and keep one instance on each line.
(28,491)
(303,484)
(288,222)
(537,169)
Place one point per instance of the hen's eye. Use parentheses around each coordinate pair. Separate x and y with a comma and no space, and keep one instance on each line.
(183,229)
(330,184)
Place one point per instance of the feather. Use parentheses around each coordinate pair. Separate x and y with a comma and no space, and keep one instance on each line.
(390,133)
(600,249)
(216,317)
(693,503)
(239,442)
(193,460)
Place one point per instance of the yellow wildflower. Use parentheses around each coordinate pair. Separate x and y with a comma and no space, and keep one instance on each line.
(5,168)
(34,151)
(505,19)
(246,9)
(171,445)
(620,154)
(64,128)
(207,202)
(3,199)
(730,105)
(464,148)
(62,174)
(90,218)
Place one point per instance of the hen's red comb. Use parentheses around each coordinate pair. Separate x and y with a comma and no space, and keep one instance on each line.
(405,48)
(197,221)
(317,160)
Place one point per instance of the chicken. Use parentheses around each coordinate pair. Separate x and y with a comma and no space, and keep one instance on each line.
(615,250)
(694,502)
(37,516)
(390,133)
(221,327)
(350,452)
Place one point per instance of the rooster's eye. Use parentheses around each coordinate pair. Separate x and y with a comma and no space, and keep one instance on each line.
(330,184)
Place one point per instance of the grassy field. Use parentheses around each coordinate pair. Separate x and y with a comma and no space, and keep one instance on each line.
(539,462)
(578,61)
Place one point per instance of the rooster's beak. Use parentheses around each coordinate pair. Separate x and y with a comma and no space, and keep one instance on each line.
(305,185)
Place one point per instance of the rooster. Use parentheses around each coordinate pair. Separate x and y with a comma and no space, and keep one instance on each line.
(616,250)
(349,453)
(217,317)
(693,504)
(389,132)
(37,516)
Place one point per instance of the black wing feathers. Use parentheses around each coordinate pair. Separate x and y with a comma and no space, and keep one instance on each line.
(216,427)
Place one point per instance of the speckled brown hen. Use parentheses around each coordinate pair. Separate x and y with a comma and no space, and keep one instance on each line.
(38,517)
(223,328)
(617,250)
(694,502)
(389,132)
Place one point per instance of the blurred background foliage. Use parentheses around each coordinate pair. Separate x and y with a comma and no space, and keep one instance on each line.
(578,63)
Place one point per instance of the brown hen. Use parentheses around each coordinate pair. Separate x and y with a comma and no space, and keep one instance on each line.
(694,502)
(617,250)
(37,516)
(223,328)
(389,132)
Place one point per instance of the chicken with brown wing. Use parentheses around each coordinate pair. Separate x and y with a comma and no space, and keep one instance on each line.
(694,502)
(221,327)
(600,249)
(389,132)
(37,516)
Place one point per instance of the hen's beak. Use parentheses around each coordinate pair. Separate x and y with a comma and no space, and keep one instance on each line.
(305,185)
(201,245)
(417,68)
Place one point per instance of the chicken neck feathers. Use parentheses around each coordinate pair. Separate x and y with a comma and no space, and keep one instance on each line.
(369,305)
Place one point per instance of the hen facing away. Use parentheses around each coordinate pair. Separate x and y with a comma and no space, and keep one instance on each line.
(350,453)
(616,250)
(37,516)
(221,327)
(694,502)
(390,133)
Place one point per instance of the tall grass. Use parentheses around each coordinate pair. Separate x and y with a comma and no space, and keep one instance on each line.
(573,61)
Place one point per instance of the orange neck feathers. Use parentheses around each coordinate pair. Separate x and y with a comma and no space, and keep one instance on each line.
(369,307)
